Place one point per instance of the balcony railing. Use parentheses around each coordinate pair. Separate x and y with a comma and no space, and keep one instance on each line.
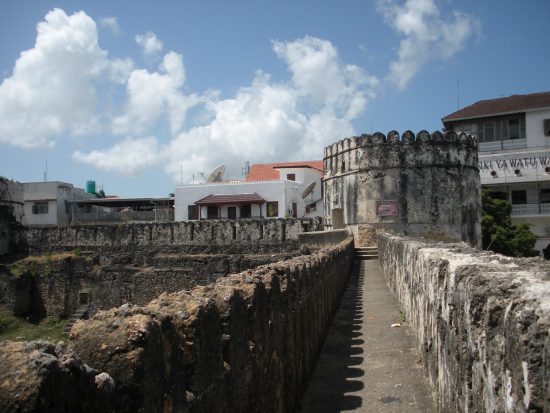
(530,209)
(502,145)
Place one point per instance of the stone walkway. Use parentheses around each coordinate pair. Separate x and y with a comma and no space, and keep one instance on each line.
(366,365)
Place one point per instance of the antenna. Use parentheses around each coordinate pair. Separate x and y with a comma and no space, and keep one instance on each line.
(181,175)
(458,94)
(245,169)
(217,174)
(309,189)
(46,172)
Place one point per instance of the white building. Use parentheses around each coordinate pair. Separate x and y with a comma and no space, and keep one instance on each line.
(514,154)
(47,203)
(274,190)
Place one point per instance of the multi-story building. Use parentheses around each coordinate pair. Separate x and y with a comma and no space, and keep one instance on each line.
(514,154)
(273,190)
(48,203)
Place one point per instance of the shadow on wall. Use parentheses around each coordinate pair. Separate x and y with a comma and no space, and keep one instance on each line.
(342,356)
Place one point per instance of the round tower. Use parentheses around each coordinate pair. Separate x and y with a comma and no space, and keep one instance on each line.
(423,185)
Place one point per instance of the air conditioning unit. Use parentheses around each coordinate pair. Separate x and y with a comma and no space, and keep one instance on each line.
(546,127)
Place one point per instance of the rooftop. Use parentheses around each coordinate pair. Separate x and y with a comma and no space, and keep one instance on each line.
(500,106)
(268,171)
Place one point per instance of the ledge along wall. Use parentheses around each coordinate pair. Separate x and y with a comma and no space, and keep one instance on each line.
(185,235)
(244,343)
(423,185)
(481,322)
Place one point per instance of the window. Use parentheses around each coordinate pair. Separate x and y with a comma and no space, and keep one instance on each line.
(311,208)
(519,197)
(246,211)
(212,212)
(545,196)
(513,128)
(489,132)
(40,208)
(294,210)
(232,213)
(291,177)
(272,209)
(192,212)
(67,208)
(498,195)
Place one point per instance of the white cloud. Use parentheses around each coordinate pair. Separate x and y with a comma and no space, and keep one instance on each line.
(149,42)
(111,23)
(51,90)
(151,95)
(127,157)
(428,37)
(270,121)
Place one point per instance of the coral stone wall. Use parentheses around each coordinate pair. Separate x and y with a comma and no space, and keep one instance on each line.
(187,235)
(481,322)
(423,185)
(244,343)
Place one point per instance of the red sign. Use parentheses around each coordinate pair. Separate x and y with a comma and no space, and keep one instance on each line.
(387,208)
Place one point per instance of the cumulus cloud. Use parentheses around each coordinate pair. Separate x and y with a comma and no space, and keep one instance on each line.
(271,121)
(152,95)
(149,42)
(52,90)
(110,23)
(428,36)
(127,157)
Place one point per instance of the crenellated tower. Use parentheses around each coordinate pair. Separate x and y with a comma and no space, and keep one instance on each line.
(420,185)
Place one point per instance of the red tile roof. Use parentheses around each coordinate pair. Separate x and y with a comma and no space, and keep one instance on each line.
(510,104)
(231,199)
(267,171)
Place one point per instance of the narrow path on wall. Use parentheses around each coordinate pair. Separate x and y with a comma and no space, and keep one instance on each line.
(366,365)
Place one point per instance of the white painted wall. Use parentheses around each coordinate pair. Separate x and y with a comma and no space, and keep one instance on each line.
(55,193)
(534,128)
(284,192)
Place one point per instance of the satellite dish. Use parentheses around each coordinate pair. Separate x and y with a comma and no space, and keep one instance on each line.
(309,189)
(216,175)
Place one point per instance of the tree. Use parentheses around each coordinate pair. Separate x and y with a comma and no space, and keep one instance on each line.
(498,232)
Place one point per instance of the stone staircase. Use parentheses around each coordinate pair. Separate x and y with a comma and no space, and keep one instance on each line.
(366,253)
(77,315)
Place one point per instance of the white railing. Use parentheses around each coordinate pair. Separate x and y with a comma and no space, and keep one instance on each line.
(530,209)
(230,182)
(502,145)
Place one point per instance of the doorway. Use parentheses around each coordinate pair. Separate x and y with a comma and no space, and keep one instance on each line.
(232,212)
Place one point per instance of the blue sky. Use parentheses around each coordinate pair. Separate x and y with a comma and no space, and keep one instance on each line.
(140,96)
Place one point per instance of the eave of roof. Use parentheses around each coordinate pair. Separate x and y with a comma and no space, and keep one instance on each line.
(234,199)
(120,202)
(501,106)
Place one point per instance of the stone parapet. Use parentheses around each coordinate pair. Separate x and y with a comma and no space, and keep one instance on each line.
(418,185)
(155,234)
(481,322)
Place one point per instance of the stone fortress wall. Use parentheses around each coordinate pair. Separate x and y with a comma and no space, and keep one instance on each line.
(246,342)
(481,322)
(423,185)
(134,263)
(209,235)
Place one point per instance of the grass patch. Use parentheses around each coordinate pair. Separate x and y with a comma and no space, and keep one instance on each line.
(18,329)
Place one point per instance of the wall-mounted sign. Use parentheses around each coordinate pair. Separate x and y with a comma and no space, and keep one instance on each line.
(387,208)
(533,162)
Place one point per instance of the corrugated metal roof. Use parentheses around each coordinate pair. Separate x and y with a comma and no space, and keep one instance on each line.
(231,199)
(267,171)
(510,104)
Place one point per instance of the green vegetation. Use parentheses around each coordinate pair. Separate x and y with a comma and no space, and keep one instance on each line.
(18,329)
(498,232)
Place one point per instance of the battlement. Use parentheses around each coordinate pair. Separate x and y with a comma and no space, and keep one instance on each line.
(408,137)
(412,184)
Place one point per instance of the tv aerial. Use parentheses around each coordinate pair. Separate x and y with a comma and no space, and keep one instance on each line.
(216,175)
(309,189)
